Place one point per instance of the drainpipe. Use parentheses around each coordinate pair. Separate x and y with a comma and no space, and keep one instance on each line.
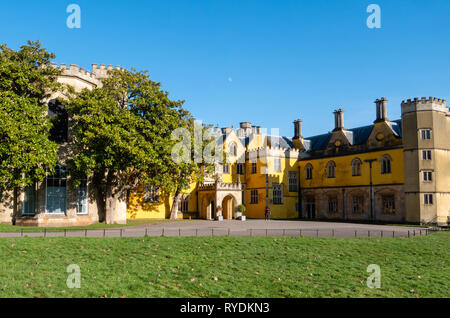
(344,205)
(300,203)
(372,214)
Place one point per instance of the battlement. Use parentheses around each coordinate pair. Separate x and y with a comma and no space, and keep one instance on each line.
(93,76)
(423,104)
(425,100)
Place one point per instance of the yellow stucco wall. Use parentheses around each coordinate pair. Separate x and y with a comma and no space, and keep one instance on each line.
(344,170)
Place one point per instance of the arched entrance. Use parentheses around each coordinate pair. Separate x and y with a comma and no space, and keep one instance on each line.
(228,207)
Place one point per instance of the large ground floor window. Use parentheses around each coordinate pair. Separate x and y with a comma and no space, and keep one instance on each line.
(28,200)
(82,197)
(56,191)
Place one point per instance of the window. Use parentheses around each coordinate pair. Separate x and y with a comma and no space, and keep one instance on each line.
(82,197)
(358,205)
(254,167)
(28,200)
(183,205)
(253,196)
(60,119)
(356,167)
(426,154)
(277,193)
(151,194)
(386,164)
(388,204)
(293,181)
(427,176)
(233,149)
(226,168)
(277,165)
(332,204)
(426,134)
(331,167)
(56,191)
(240,168)
(308,171)
(428,199)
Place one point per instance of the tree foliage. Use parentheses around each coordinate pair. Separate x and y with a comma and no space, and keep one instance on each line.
(26,82)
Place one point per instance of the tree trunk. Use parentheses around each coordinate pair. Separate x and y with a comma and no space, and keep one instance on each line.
(176,201)
(110,208)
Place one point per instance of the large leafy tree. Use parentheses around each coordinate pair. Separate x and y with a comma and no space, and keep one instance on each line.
(121,132)
(26,81)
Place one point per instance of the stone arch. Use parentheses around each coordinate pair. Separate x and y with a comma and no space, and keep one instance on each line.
(229,204)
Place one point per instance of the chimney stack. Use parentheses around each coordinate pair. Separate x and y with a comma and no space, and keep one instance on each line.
(381,106)
(297,129)
(338,119)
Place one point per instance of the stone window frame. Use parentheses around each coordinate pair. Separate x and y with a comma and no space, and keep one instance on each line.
(388,203)
(59,169)
(226,168)
(428,199)
(32,200)
(386,164)
(293,181)
(254,167)
(240,168)
(427,176)
(426,154)
(333,204)
(331,169)
(358,200)
(183,205)
(426,134)
(151,194)
(254,196)
(309,171)
(87,197)
(232,149)
(356,167)
(277,193)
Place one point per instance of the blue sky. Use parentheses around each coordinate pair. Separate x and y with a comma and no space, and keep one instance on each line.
(264,61)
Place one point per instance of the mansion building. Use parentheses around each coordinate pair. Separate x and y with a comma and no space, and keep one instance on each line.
(388,171)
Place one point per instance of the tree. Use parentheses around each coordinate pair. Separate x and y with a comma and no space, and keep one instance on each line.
(180,174)
(26,81)
(121,132)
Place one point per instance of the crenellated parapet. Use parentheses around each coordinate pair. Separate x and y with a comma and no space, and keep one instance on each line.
(92,77)
(422,104)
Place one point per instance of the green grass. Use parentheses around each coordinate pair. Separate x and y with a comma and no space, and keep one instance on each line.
(226,266)
(95,226)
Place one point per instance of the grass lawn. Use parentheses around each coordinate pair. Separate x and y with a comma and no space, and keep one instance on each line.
(226,266)
(95,226)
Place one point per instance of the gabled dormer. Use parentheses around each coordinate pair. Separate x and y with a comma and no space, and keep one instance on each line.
(341,138)
(384,132)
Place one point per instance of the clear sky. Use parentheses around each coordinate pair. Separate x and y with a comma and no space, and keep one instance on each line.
(264,61)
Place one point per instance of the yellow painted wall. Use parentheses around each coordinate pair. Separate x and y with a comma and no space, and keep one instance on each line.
(344,170)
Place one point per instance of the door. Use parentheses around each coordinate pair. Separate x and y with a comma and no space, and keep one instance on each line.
(213,213)
(310,208)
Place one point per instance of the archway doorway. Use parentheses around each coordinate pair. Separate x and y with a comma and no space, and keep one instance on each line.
(228,207)
(212,210)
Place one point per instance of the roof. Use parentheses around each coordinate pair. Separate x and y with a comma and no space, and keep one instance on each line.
(356,136)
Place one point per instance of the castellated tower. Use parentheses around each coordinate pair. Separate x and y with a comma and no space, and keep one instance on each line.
(426,146)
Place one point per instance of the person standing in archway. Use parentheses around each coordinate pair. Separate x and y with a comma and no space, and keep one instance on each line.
(267,213)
